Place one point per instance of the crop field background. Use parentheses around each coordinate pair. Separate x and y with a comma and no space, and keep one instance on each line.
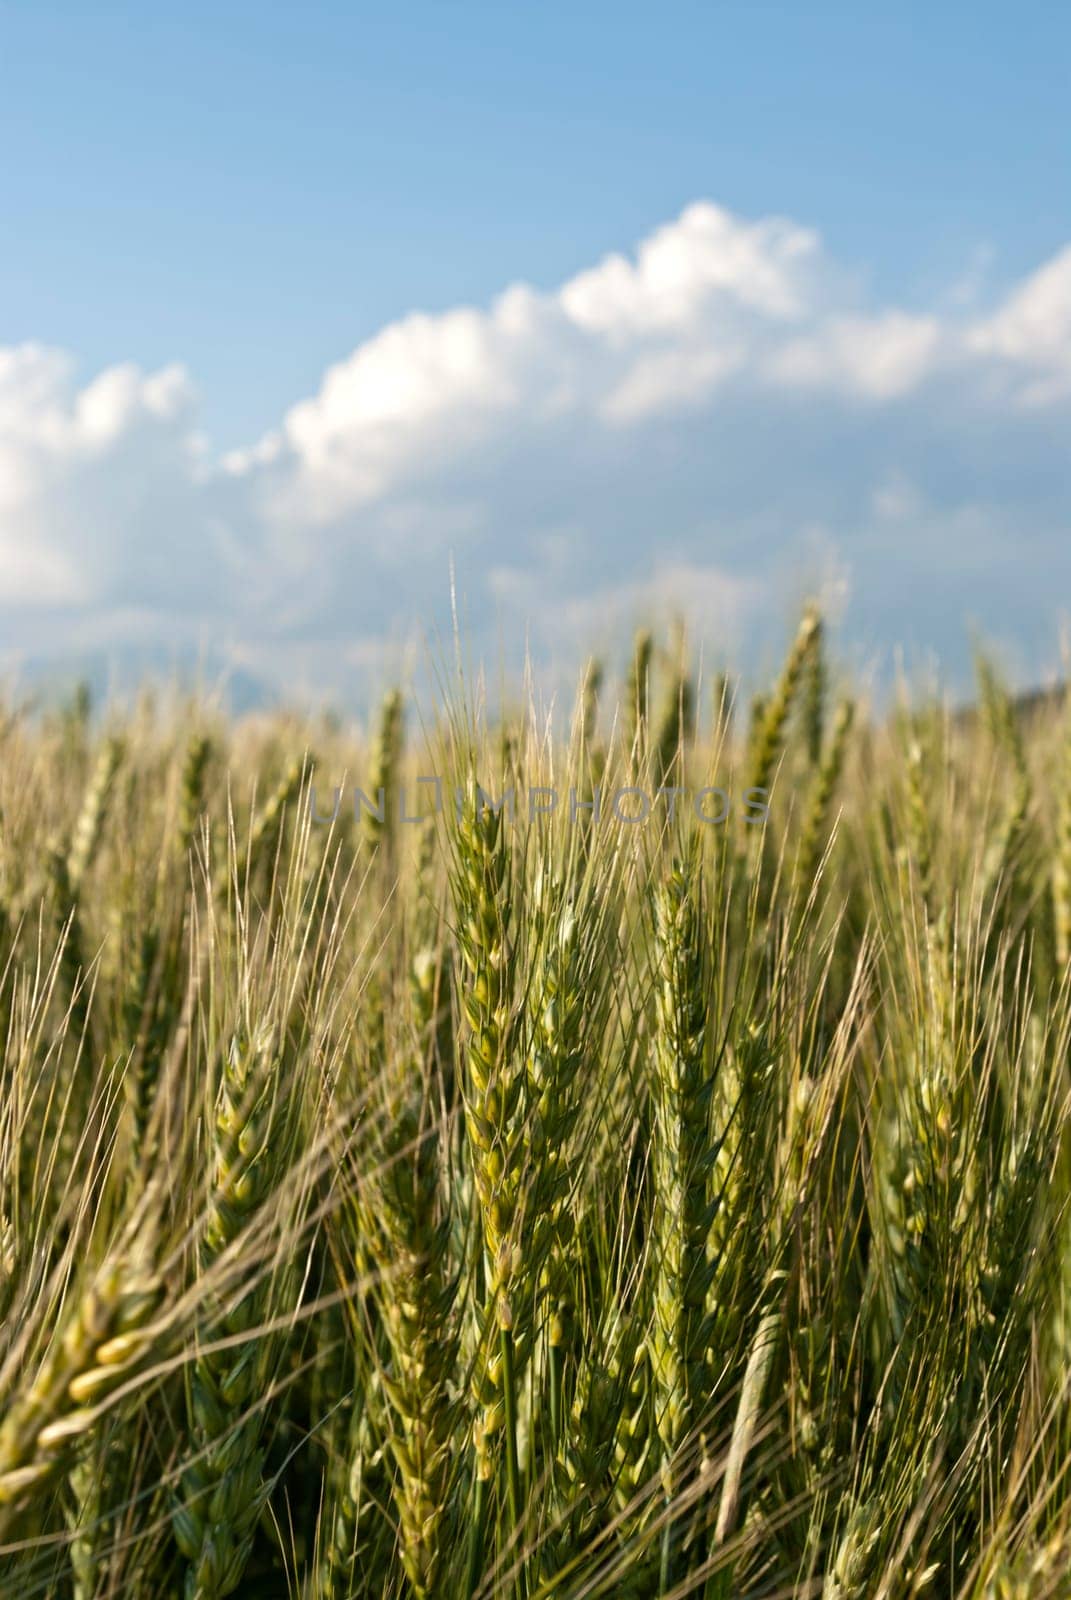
(538,1204)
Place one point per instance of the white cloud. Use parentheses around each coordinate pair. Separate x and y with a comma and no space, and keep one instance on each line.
(665,431)
(666,380)
(683,269)
(878,358)
(618,343)
(101,487)
(1032,331)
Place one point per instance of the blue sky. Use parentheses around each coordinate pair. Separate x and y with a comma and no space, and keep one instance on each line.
(255,189)
(254,194)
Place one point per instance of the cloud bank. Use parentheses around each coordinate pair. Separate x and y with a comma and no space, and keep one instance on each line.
(709,427)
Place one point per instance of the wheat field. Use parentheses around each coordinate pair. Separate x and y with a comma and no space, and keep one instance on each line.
(652,1185)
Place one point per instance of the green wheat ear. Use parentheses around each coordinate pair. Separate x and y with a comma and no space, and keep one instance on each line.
(590,690)
(771,716)
(851,1569)
(73,970)
(1061,881)
(223,1492)
(677,724)
(816,821)
(385,768)
(191,789)
(1002,862)
(407,1227)
(494,1084)
(813,695)
(494,1092)
(90,825)
(635,1437)
(555,1034)
(638,693)
(266,832)
(918,829)
(721,699)
(680,1163)
(101,1345)
(592,751)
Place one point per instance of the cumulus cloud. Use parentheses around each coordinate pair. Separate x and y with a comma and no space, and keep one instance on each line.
(705,257)
(705,426)
(877,358)
(101,487)
(1032,332)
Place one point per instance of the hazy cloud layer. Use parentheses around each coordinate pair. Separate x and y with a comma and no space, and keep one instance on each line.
(712,426)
